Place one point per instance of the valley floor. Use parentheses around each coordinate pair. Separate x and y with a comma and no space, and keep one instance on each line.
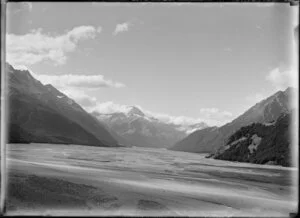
(79,180)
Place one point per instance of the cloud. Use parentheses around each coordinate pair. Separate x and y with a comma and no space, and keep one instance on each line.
(75,86)
(123,27)
(182,123)
(36,46)
(288,76)
(281,79)
(215,116)
(78,81)
(81,98)
(82,33)
(209,112)
(110,107)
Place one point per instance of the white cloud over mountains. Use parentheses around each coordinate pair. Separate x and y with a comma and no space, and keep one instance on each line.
(288,76)
(80,96)
(75,85)
(110,107)
(281,79)
(215,114)
(79,81)
(37,46)
(210,116)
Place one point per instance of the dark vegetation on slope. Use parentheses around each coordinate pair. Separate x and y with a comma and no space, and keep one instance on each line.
(274,146)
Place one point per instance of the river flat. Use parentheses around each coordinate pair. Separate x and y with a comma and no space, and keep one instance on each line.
(51,179)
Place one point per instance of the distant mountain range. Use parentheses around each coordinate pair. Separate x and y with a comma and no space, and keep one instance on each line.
(260,143)
(41,113)
(209,140)
(135,128)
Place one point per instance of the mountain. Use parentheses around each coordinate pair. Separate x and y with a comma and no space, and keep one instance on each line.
(135,128)
(209,140)
(41,113)
(260,143)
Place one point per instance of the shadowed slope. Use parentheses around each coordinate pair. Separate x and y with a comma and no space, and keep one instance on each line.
(39,113)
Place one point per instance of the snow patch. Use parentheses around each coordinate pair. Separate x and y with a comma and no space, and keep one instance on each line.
(226,147)
(21,68)
(234,143)
(269,124)
(255,143)
(191,130)
(237,141)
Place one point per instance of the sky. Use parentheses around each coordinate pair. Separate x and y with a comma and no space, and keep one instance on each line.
(186,62)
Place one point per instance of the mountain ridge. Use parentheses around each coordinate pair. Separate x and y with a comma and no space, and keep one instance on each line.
(24,90)
(139,129)
(264,111)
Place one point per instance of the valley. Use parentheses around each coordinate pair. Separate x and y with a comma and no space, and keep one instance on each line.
(81,180)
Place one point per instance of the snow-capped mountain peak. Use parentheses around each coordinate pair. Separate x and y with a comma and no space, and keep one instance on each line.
(135,111)
(142,128)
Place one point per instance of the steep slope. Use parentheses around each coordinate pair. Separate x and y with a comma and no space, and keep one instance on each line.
(265,111)
(260,143)
(122,142)
(135,128)
(43,114)
(32,121)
